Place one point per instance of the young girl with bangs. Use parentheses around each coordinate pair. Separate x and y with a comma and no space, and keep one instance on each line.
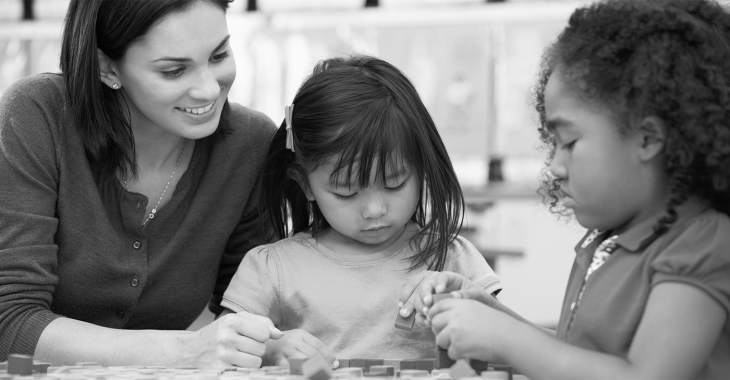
(634,104)
(358,182)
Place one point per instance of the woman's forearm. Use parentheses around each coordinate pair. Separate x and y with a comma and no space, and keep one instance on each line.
(66,341)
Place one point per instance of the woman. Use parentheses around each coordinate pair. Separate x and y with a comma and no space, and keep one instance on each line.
(127,192)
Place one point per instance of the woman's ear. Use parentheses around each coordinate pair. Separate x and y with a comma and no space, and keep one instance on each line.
(301,179)
(652,133)
(109,74)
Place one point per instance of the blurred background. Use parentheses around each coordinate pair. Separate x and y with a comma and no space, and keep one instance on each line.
(473,63)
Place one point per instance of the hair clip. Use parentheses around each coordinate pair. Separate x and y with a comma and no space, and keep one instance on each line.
(288,110)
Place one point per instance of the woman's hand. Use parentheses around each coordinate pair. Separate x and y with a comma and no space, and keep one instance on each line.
(234,339)
(469,328)
(297,343)
(417,294)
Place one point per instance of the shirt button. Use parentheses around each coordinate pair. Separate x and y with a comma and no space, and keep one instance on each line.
(135,281)
(139,205)
(120,314)
(136,244)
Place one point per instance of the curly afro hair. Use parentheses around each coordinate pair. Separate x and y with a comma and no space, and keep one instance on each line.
(664,58)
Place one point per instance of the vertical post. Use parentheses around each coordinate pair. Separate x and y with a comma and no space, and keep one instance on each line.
(28,13)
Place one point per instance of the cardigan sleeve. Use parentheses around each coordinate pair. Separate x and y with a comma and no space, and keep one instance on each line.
(28,193)
(250,231)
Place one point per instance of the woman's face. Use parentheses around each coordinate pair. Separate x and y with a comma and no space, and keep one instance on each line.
(177,77)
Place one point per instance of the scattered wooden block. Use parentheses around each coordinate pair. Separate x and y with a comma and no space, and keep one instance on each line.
(295,365)
(425,364)
(382,370)
(359,363)
(503,368)
(478,365)
(344,363)
(395,363)
(408,364)
(413,373)
(316,368)
(407,323)
(442,358)
(461,369)
(20,365)
(371,362)
(40,367)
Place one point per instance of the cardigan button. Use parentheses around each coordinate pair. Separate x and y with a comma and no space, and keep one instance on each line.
(120,314)
(135,281)
(137,244)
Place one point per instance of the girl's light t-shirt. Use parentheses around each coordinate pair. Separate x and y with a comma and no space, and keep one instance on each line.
(349,303)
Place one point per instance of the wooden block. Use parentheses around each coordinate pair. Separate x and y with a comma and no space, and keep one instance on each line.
(408,364)
(382,370)
(461,369)
(442,358)
(295,365)
(411,373)
(20,365)
(371,362)
(478,365)
(395,363)
(405,324)
(425,364)
(316,368)
(344,363)
(495,375)
(504,367)
(352,372)
(40,367)
(359,363)
(4,366)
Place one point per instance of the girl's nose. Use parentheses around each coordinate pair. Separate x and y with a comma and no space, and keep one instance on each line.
(557,165)
(374,207)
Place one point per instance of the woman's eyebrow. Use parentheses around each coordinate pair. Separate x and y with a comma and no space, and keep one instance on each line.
(184,60)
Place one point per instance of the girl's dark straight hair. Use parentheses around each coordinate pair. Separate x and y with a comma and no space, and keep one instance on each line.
(98,112)
(364,113)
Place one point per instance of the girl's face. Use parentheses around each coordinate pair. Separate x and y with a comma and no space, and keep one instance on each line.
(371,217)
(176,79)
(604,181)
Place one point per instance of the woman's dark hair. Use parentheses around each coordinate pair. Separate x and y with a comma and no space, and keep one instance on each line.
(664,58)
(361,110)
(100,116)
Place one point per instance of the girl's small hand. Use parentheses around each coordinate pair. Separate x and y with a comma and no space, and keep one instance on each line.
(469,328)
(233,339)
(417,294)
(297,343)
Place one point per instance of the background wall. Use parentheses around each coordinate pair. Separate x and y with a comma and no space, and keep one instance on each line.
(473,64)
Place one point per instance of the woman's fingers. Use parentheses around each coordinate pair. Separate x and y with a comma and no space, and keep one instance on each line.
(273,332)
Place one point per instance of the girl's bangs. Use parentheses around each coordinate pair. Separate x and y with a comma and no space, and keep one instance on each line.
(379,141)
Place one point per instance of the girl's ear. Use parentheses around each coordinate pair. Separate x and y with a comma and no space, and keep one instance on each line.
(301,179)
(109,74)
(652,134)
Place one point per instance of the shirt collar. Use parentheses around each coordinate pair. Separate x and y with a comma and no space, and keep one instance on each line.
(641,235)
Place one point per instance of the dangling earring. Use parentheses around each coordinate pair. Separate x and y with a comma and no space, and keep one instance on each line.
(115,86)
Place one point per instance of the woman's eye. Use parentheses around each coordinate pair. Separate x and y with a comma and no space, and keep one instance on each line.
(173,73)
(219,57)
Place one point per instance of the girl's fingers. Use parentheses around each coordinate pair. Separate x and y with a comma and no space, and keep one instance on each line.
(321,349)
(273,332)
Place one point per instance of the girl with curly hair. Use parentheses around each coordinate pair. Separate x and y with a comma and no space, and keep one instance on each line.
(634,106)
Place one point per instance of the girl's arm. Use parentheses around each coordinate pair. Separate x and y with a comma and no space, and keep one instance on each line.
(236,339)
(679,329)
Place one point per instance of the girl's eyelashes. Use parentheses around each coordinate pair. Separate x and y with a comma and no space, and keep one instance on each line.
(344,197)
(396,188)
(569,146)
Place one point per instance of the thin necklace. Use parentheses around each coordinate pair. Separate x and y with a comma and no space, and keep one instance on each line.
(151,215)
